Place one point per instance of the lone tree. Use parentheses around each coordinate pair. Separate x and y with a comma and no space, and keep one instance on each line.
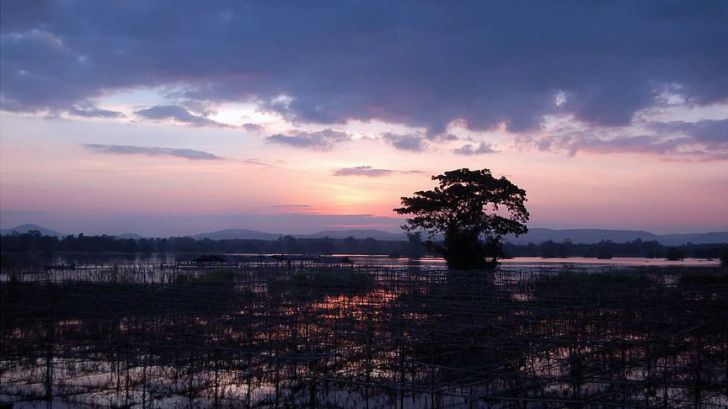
(473,210)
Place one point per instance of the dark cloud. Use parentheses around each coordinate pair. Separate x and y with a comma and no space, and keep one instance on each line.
(321,140)
(178,114)
(469,150)
(151,151)
(414,143)
(420,63)
(363,171)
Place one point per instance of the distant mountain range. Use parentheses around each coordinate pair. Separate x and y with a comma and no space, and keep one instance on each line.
(25,228)
(534,235)
(232,234)
(358,234)
(333,234)
(591,236)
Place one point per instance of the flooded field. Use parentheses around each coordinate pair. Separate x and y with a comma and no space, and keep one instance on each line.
(516,264)
(375,333)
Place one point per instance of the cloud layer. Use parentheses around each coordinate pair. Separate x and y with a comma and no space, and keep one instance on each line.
(363,171)
(178,114)
(424,64)
(322,140)
(90,111)
(702,140)
(470,150)
(151,151)
(414,143)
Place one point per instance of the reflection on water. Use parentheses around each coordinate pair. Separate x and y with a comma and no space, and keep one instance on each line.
(536,263)
(516,263)
(380,334)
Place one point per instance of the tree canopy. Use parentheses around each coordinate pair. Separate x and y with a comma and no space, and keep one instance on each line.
(473,210)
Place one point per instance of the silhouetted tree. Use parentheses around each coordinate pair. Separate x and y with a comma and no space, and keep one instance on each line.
(130,246)
(604,249)
(415,247)
(289,244)
(549,249)
(473,210)
(371,246)
(351,245)
(723,256)
(652,249)
(674,254)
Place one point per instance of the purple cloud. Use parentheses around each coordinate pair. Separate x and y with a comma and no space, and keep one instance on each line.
(709,132)
(91,111)
(705,140)
(178,114)
(255,128)
(151,151)
(412,143)
(469,150)
(321,140)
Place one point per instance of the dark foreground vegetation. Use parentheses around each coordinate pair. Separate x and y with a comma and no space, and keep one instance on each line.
(37,244)
(254,336)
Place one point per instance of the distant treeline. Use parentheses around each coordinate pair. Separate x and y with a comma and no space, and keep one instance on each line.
(34,242)
(609,249)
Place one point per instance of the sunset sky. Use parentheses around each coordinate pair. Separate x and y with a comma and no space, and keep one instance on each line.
(167,118)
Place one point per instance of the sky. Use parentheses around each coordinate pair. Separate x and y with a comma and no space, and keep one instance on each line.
(170,118)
